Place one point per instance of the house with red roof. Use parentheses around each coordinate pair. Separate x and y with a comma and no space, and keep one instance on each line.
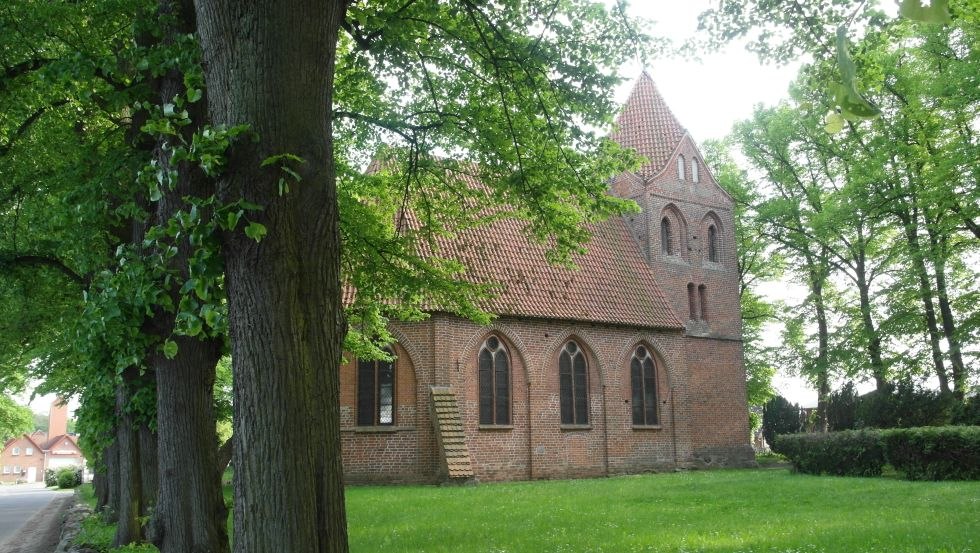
(630,362)
(25,458)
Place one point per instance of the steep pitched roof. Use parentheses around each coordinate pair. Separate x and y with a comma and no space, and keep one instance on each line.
(48,445)
(611,284)
(647,125)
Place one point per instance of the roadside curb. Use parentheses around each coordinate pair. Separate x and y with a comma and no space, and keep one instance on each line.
(72,525)
(40,533)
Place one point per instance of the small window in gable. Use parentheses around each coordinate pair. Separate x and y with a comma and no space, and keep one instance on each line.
(680,167)
(573,380)
(695,171)
(703,296)
(692,302)
(16,451)
(376,392)
(494,383)
(643,380)
(29,451)
(712,244)
(666,237)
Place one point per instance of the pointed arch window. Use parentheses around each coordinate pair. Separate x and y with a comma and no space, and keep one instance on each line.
(376,392)
(666,237)
(703,296)
(695,171)
(680,167)
(643,380)
(573,379)
(494,382)
(712,244)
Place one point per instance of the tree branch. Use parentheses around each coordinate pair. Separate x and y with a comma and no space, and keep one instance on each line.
(34,260)
(26,124)
(224,454)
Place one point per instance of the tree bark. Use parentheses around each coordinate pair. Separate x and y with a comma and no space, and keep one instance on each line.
(909,218)
(938,249)
(130,481)
(872,335)
(111,458)
(191,515)
(149,484)
(271,67)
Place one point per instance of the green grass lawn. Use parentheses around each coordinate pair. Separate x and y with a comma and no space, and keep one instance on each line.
(712,511)
(743,510)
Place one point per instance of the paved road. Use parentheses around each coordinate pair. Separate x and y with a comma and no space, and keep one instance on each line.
(20,502)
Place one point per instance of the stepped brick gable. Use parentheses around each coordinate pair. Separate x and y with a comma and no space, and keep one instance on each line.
(631,363)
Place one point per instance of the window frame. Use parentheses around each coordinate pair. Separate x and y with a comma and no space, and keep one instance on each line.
(15,451)
(666,236)
(376,392)
(28,451)
(501,349)
(712,243)
(695,170)
(645,380)
(579,406)
(692,302)
(680,167)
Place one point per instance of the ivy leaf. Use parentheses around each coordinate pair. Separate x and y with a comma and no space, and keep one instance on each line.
(233,217)
(936,12)
(853,105)
(170,349)
(255,231)
(194,94)
(834,122)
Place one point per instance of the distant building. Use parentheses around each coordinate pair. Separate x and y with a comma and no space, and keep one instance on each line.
(25,458)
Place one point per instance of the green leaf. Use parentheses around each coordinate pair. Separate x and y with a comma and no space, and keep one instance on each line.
(255,231)
(936,12)
(170,349)
(852,104)
(834,123)
(233,217)
(194,94)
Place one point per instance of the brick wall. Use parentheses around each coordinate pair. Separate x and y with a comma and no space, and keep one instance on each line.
(535,445)
(21,461)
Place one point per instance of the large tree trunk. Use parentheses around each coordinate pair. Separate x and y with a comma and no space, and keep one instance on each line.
(110,511)
(271,66)
(939,251)
(191,515)
(130,481)
(872,335)
(909,219)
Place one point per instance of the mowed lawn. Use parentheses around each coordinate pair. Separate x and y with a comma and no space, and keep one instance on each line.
(708,511)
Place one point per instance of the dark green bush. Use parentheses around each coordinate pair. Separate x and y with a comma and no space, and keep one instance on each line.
(848,453)
(50,477)
(842,408)
(905,405)
(935,453)
(69,477)
(779,416)
(968,412)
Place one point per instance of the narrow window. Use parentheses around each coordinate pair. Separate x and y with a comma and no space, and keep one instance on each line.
(644,383)
(695,172)
(376,392)
(666,237)
(680,167)
(703,296)
(712,244)
(692,301)
(494,383)
(573,385)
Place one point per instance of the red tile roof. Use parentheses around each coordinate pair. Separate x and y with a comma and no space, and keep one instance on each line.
(648,126)
(611,284)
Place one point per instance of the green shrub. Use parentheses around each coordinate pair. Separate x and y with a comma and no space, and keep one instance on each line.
(50,477)
(935,453)
(779,416)
(848,453)
(968,412)
(905,405)
(69,477)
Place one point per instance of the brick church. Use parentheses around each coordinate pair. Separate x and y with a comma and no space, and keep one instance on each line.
(631,363)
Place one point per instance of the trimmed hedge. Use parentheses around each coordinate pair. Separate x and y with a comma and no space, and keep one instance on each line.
(935,453)
(848,453)
(926,453)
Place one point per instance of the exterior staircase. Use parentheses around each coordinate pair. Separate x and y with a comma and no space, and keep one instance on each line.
(450,438)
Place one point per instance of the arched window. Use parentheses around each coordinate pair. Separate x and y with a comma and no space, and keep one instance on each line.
(712,244)
(703,296)
(643,378)
(695,171)
(666,237)
(376,392)
(494,383)
(692,301)
(680,167)
(573,380)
